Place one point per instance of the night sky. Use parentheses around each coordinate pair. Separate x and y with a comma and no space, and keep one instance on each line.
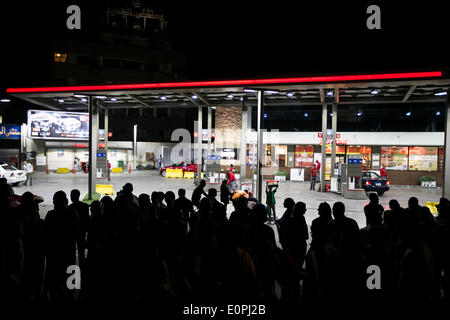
(229,39)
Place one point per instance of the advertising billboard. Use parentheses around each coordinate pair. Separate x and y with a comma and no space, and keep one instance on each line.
(304,156)
(43,124)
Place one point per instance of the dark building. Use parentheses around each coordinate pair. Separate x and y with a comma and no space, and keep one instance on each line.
(132,45)
(128,42)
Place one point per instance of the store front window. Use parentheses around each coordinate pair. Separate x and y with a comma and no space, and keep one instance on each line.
(423,158)
(364,151)
(281,155)
(267,155)
(394,158)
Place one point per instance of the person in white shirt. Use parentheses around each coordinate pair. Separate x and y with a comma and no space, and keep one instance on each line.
(28,168)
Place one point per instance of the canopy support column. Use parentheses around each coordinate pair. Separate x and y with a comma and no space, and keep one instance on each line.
(260,147)
(324,145)
(93,143)
(446,180)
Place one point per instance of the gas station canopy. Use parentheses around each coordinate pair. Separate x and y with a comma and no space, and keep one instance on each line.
(382,88)
(387,88)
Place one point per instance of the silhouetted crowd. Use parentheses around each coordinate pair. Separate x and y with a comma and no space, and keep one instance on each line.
(162,247)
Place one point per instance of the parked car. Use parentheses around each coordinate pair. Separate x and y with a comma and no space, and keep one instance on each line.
(13,175)
(372,182)
(186,167)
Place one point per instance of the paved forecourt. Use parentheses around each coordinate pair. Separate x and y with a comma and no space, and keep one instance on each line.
(46,185)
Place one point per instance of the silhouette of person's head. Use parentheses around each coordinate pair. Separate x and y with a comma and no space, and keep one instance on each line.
(107,202)
(161,196)
(181,193)
(289,203)
(259,213)
(204,205)
(169,197)
(27,198)
(394,205)
(144,200)
(413,203)
(373,218)
(96,208)
(224,181)
(338,210)
(202,183)
(425,215)
(240,204)
(324,210)
(299,209)
(155,197)
(444,209)
(127,188)
(4,182)
(75,195)
(60,199)
(212,192)
(373,198)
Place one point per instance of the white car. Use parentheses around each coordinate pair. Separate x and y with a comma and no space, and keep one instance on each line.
(13,175)
(66,124)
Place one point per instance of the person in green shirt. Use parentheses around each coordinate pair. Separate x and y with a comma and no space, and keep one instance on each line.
(270,201)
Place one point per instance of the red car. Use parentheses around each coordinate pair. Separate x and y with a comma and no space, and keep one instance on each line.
(186,167)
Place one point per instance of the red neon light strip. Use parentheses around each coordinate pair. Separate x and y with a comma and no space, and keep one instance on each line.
(222,83)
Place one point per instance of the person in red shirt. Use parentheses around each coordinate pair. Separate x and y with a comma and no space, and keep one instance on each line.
(109,170)
(383,174)
(231,180)
(317,171)
(313,177)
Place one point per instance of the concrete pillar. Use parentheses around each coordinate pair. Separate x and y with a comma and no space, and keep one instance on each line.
(243,153)
(334,128)
(260,148)
(249,129)
(23,145)
(209,131)
(93,143)
(446,180)
(134,146)
(199,138)
(106,127)
(324,146)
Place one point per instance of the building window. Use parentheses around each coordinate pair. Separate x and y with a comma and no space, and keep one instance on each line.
(364,151)
(87,60)
(281,155)
(59,57)
(111,63)
(131,64)
(394,158)
(423,158)
(151,67)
